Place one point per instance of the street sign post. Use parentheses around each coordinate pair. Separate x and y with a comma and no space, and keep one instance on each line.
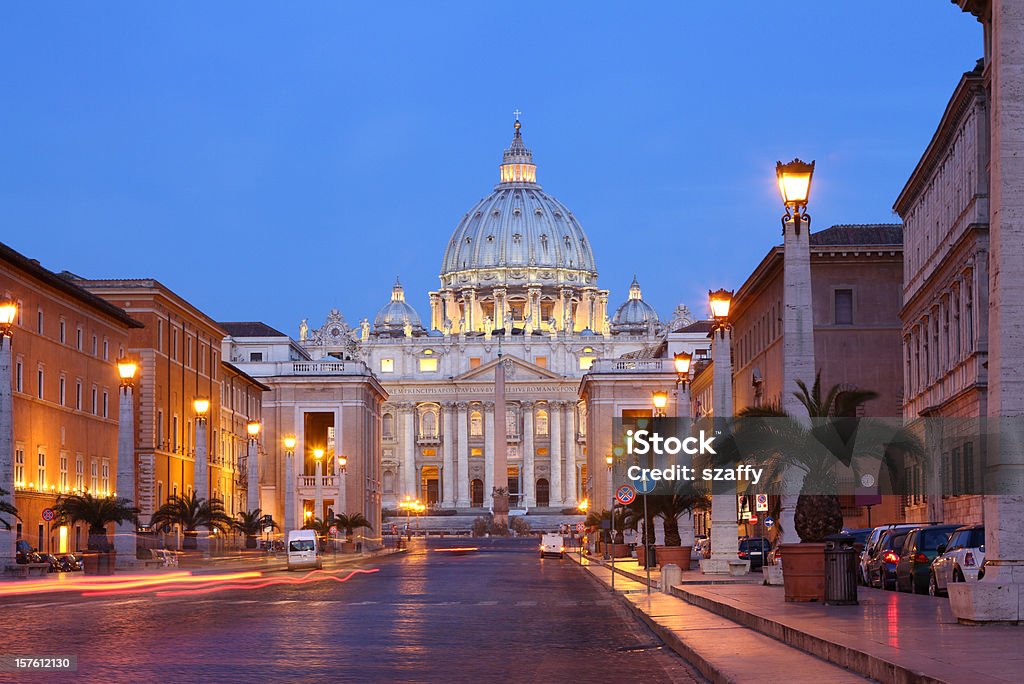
(769,522)
(753,520)
(580,527)
(334,529)
(761,504)
(645,487)
(49,514)
(625,495)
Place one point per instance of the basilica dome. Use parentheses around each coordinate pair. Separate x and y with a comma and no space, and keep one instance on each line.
(393,318)
(634,315)
(518,233)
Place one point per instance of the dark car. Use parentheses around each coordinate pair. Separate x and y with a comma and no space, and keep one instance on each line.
(919,550)
(881,567)
(755,549)
(51,560)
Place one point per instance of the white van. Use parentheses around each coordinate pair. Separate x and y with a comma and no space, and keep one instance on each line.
(304,550)
(552,544)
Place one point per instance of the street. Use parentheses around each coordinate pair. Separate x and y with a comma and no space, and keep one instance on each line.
(427,615)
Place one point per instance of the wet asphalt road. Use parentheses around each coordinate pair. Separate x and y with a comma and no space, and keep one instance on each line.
(426,616)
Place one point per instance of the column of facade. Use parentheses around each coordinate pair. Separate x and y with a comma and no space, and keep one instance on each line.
(124,537)
(529,454)
(555,428)
(407,414)
(447,455)
(570,456)
(201,476)
(252,475)
(462,476)
(488,451)
(291,504)
(8,537)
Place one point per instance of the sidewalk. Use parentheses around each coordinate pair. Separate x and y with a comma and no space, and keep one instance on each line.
(889,637)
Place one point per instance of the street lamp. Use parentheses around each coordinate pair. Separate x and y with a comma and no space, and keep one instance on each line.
(720,302)
(253,427)
(201,477)
(252,466)
(660,401)
(289,442)
(126,370)
(124,537)
(201,405)
(795,187)
(318,456)
(682,363)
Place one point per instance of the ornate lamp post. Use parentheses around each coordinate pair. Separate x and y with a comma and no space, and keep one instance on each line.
(252,466)
(341,461)
(201,469)
(660,400)
(318,456)
(124,534)
(724,531)
(8,314)
(797,314)
(289,483)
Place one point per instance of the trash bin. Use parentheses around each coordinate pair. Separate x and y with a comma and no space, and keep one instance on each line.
(840,571)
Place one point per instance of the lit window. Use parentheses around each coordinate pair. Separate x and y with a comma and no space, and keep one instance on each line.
(94,477)
(79,472)
(19,467)
(41,472)
(541,361)
(63,471)
(428,365)
(586,362)
(542,422)
(476,424)
(474,361)
(387,365)
(63,331)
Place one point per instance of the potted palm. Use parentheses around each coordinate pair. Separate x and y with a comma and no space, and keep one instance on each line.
(669,508)
(7,508)
(97,512)
(251,524)
(818,448)
(190,513)
(350,522)
(635,518)
(594,522)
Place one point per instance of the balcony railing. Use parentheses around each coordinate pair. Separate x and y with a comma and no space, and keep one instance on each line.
(633,366)
(309,481)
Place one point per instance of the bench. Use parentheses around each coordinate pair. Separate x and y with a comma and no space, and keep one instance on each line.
(28,569)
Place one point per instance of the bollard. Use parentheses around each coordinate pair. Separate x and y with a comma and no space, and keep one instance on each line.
(670,574)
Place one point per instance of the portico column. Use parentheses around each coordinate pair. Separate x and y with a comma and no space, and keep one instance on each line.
(407,413)
(124,533)
(488,451)
(529,479)
(570,456)
(555,420)
(252,468)
(462,477)
(447,470)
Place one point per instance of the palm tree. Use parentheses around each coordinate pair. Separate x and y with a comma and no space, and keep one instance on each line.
(351,522)
(669,507)
(834,438)
(322,527)
(191,513)
(251,523)
(97,512)
(7,508)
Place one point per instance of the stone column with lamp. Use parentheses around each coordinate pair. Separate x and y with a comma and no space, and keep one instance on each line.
(201,464)
(8,536)
(124,533)
(252,467)
(290,503)
(318,458)
(797,317)
(724,529)
(681,362)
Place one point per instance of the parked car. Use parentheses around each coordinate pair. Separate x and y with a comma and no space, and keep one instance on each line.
(959,560)
(919,550)
(871,547)
(881,567)
(756,550)
(51,560)
(69,562)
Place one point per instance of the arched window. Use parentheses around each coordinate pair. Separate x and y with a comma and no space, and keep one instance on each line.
(389,482)
(389,425)
(543,493)
(476,424)
(478,493)
(428,424)
(542,422)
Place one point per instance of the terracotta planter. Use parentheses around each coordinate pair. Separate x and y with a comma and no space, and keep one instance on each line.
(348,547)
(676,555)
(641,554)
(803,571)
(99,563)
(620,551)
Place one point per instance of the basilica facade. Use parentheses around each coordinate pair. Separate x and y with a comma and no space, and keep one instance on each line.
(518,287)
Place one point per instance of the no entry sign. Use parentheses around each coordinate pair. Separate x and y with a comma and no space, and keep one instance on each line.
(625,495)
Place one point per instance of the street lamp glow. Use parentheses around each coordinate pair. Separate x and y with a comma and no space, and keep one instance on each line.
(126,370)
(342,461)
(682,362)
(289,442)
(660,401)
(610,460)
(720,302)
(318,454)
(8,313)
(201,405)
(794,182)
(253,428)
(583,505)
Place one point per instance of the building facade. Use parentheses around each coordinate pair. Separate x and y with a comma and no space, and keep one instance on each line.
(65,344)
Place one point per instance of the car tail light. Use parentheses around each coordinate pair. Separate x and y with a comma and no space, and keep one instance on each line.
(563,549)
(743,554)
(920,558)
(969,559)
(891,557)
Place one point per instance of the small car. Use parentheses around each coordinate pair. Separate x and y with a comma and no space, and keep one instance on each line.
(552,545)
(881,566)
(959,560)
(756,550)
(870,549)
(919,550)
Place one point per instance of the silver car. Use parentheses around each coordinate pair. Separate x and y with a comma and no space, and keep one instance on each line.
(959,561)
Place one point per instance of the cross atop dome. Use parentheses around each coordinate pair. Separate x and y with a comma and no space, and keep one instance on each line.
(517,163)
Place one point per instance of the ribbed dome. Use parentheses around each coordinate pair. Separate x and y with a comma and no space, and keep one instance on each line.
(634,315)
(392,318)
(519,226)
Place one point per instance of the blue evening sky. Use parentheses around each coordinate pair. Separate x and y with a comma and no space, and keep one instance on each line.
(269,161)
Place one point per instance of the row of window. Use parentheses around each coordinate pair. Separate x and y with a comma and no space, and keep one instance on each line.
(942,338)
(37,479)
(99,402)
(429,428)
(204,349)
(62,332)
(428,362)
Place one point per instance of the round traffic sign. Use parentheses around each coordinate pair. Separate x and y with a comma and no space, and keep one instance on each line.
(761,503)
(580,527)
(645,486)
(49,514)
(625,495)
(768,522)
(334,529)
(753,519)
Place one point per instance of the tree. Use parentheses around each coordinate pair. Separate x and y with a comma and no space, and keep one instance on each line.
(835,436)
(318,525)
(97,512)
(191,513)
(251,524)
(351,522)
(7,508)
(669,507)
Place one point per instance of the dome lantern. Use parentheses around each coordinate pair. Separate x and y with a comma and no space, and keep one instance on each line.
(517,162)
